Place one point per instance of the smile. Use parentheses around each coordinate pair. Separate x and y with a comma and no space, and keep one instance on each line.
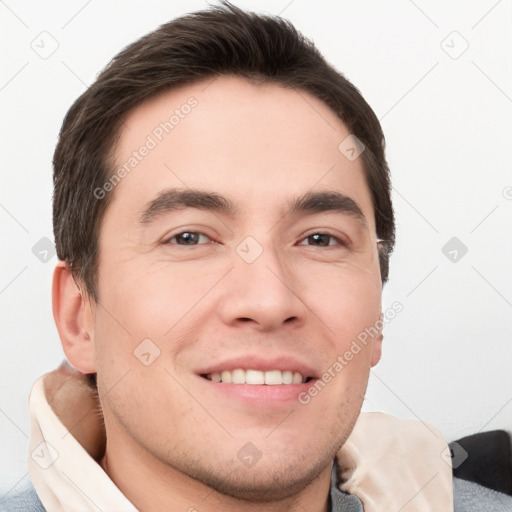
(257,377)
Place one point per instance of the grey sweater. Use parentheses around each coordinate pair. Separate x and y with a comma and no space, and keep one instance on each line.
(468,497)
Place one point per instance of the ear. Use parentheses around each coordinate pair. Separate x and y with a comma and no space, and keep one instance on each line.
(74,319)
(376,349)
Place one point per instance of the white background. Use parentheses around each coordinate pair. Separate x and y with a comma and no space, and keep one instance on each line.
(447,356)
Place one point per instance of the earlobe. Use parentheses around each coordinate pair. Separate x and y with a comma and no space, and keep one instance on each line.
(377,349)
(72,315)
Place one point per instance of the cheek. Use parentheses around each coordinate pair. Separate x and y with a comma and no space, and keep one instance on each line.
(150,299)
(165,304)
(347,300)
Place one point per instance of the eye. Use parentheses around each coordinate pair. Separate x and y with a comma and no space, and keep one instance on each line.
(321,240)
(189,238)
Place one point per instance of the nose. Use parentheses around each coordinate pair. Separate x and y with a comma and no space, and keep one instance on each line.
(263,294)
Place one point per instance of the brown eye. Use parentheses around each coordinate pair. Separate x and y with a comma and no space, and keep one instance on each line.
(321,240)
(189,238)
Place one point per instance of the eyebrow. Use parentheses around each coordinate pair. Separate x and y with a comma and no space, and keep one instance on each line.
(176,199)
(312,202)
(319,202)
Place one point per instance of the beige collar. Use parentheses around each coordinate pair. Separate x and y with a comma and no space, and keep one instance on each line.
(393,464)
(63,473)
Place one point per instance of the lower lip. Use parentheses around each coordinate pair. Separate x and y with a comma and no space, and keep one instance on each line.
(265,394)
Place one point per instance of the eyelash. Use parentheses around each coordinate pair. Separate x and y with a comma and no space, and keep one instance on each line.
(188,232)
(339,242)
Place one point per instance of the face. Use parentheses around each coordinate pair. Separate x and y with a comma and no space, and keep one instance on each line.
(240,246)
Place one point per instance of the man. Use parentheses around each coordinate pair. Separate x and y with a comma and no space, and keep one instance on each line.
(223,221)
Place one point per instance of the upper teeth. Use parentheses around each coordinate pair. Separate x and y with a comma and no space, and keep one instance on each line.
(272,377)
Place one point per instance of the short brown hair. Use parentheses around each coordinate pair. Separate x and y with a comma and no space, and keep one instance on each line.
(223,40)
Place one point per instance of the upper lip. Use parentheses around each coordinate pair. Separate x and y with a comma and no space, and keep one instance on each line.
(256,362)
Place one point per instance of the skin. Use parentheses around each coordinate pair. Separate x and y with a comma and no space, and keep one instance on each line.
(173,439)
(74,399)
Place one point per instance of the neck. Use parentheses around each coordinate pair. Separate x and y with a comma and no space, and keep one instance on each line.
(153,485)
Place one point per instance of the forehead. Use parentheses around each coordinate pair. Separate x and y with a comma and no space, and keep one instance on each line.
(255,144)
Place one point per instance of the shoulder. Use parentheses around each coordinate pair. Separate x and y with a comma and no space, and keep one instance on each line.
(471,497)
(24,500)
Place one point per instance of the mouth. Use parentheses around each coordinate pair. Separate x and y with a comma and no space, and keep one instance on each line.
(257,377)
(258,381)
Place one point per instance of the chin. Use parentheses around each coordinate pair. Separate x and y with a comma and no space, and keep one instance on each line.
(266,480)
